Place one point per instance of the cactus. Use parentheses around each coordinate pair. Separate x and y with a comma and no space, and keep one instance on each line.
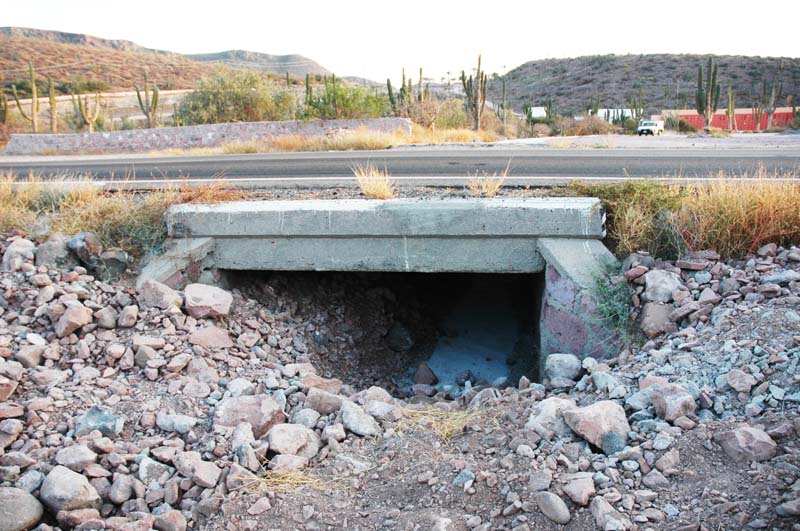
(707,95)
(475,91)
(33,117)
(420,93)
(770,95)
(82,108)
(3,108)
(594,105)
(730,112)
(51,94)
(636,105)
(176,116)
(149,106)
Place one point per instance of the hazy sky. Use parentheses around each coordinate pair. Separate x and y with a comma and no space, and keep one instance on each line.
(375,39)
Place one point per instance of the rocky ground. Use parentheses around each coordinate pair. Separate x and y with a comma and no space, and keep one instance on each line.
(239,409)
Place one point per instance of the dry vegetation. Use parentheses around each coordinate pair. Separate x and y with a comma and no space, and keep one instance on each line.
(443,423)
(732,215)
(485,185)
(374,182)
(130,220)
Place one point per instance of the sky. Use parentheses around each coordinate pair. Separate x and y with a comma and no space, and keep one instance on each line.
(375,39)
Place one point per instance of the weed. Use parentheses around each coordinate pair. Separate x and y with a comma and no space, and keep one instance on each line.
(374,182)
(486,185)
(279,482)
(235,148)
(614,304)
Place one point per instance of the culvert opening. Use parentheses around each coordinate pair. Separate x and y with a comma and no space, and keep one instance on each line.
(411,333)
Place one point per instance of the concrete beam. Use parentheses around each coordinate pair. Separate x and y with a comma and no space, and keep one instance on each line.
(424,235)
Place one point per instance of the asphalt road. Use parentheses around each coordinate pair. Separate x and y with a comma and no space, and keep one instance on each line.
(421,165)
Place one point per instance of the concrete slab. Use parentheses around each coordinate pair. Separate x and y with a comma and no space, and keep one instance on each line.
(423,235)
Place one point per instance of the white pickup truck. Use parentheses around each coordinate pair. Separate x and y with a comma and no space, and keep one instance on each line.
(650,127)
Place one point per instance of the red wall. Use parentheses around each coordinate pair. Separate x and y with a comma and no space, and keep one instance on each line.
(744,120)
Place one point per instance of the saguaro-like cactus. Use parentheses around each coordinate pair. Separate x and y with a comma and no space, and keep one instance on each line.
(3,108)
(771,94)
(707,94)
(475,91)
(730,112)
(51,94)
(89,118)
(33,117)
(148,105)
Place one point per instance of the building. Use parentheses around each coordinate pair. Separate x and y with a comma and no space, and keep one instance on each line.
(744,118)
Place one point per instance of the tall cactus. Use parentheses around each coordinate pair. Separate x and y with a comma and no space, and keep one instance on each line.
(637,105)
(149,106)
(33,117)
(82,107)
(771,94)
(730,112)
(3,108)
(51,94)
(707,95)
(475,92)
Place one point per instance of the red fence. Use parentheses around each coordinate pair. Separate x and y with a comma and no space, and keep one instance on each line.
(745,120)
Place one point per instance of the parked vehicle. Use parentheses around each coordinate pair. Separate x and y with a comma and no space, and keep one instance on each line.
(650,127)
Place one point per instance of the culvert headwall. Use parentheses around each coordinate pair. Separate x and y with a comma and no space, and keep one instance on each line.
(558,236)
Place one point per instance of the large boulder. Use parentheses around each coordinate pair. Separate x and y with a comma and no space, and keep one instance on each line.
(358,421)
(745,444)
(65,490)
(656,319)
(261,411)
(19,511)
(207,301)
(603,424)
(322,401)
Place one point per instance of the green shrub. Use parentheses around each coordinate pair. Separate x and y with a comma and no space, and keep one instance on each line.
(614,304)
(452,115)
(686,127)
(236,97)
(337,101)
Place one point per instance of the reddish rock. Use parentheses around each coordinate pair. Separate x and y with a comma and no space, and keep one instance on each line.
(741,381)
(293,439)
(261,411)
(656,319)
(207,301)
(156,295)
(425,375)
(745,444)
(580,489)
(7,388)
(323,402)
(602,423)
(331,385)
(211,337)
(672,401)
(76,316)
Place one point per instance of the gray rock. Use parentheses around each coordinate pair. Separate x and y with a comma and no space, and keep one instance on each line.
(540,480)
(358,421)
(121,490)
(156,295)
(19,511)
(112,263)
(17,253)
(65,490)
(562,366)
(76,457)
(782,278)
(101,419)
(54,252)
(553,507)
(88,247)
(424,375)
(175,423)
(659,285)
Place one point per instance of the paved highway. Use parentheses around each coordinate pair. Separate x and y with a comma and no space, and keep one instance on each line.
(420,165)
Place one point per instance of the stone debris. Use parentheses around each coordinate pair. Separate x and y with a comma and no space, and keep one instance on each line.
(164,409)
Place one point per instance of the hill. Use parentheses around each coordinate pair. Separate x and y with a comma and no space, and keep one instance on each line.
(667,80)
(116,65)
(294,64)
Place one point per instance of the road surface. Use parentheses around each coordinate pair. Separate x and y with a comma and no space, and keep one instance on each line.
(418,165)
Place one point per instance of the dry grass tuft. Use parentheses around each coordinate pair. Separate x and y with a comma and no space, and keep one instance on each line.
(444,424)
(374,182)
(239,148)
(279,482)
(485,185)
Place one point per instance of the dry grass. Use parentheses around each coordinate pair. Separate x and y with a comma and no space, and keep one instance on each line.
(736,216)
(444,424)
(732,215)
(374,182)
(279,482)
(130,220)
(485,185)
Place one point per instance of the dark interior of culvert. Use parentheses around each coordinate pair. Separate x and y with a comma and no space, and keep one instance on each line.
(470,330)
